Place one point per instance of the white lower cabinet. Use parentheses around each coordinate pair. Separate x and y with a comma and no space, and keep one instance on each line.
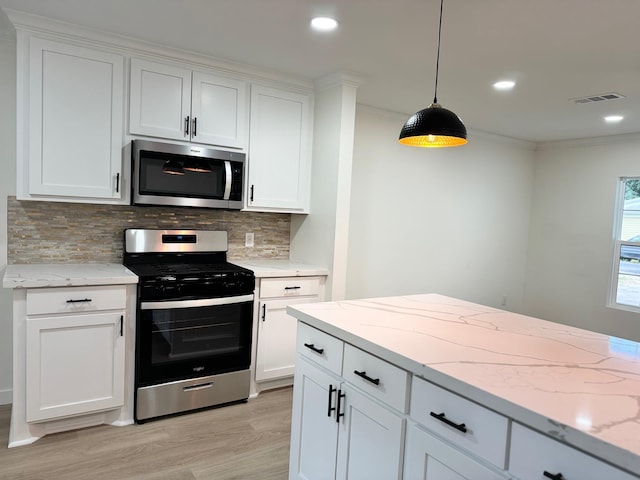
(535,456)
(429,458)
(338,430)
(276,330)
(369,438)
(276,350)
(314,430)
(75,351)
(75,364)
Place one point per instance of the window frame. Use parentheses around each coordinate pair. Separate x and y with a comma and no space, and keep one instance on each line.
(617,245)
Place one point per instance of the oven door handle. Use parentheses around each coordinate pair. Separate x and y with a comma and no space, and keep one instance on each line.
(205,302)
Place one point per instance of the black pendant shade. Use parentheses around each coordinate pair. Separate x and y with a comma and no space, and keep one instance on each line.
(434,126)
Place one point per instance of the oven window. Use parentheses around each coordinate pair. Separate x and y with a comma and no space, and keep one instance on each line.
(178,343)
(154,180)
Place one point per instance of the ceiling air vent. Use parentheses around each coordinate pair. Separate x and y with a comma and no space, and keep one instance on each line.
(597,98)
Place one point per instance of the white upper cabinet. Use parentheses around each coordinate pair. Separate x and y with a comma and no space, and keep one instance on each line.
(177,103)
(70,122)
(279,151)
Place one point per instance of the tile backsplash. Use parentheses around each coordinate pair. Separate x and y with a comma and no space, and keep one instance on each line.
(55,232)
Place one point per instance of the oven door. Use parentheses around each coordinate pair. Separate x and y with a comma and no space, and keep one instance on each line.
(186,338)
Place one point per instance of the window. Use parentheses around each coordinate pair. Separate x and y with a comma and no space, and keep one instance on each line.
(625,285)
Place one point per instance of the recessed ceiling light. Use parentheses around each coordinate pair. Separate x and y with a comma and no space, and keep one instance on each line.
(324,24)
(613,118)
(504,85)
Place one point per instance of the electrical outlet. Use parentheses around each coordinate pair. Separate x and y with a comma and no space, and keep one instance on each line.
(248,239)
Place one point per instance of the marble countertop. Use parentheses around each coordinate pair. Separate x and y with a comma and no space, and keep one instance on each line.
(264,268)
(66,275)
(580,387)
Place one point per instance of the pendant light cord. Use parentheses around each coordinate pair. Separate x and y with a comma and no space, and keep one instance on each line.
(435,93)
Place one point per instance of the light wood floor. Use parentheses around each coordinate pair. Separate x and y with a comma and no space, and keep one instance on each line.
(244,442)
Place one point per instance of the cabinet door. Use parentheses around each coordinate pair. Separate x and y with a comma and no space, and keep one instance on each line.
(314,430)
(280,161)
(534,456)
(160,100)
(219,111)
(276,350)
(428,458)
(75,121)
(74,364)
(369,440)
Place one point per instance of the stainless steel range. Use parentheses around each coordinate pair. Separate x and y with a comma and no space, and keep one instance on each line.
(194,319)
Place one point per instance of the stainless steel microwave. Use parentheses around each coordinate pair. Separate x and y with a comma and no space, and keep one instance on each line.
(186,175)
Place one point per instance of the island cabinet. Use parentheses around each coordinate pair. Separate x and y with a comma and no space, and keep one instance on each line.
(276,330)
(70,124)
(178,103)
(534,456)
(348,406)
(279,176)
(430,387)
(75,350)
(451,437)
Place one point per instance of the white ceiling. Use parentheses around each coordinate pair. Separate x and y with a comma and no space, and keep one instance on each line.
(555,49)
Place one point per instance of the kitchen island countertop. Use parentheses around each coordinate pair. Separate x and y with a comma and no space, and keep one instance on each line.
(579,387)
(66,275)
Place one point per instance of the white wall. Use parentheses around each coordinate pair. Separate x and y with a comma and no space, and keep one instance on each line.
(453,221)
(7,187)
(571,241)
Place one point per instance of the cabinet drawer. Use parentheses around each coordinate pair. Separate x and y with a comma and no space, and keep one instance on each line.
(486,431)
(429,457)
(320,347)
(532,454)
(75,299)
(378,378)
(289,287)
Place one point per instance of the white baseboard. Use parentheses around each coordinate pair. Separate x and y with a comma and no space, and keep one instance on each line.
(6,396)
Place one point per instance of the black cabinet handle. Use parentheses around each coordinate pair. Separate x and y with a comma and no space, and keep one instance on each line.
(186,125)
(311,346)
(121,324)
(292,288)
(557,476)
(330,408)
(251,195)
(79,300)
(118,182)
(440,416)
(375,381)
(195,125)
(264,312)
(338,413)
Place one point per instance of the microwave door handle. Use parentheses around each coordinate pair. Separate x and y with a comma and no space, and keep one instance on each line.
(228,179)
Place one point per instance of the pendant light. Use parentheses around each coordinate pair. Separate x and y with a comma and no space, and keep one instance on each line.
(434,126)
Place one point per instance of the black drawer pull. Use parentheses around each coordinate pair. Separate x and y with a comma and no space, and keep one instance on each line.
(311,346)
(293,288)
(79,301)
(330,408)
(375,381)
(557,476)
(440,416)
